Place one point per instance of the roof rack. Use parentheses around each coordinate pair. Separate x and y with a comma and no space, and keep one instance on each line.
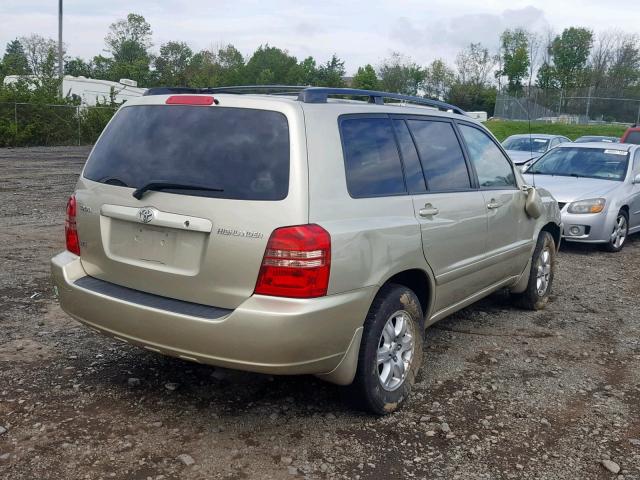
(321,94)
(237,89)
(308,94)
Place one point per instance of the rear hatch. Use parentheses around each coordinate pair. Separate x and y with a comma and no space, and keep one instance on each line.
(223,177)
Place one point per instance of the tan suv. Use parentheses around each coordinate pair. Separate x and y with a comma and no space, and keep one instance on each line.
(302,233)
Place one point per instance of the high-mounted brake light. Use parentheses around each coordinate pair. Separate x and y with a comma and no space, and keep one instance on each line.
(190,100)
(296,263)
(70,229)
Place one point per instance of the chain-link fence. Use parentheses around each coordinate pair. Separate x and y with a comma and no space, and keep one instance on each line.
(578,106)
(29,124)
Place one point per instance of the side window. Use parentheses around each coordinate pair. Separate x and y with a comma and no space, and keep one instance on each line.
(492,167)
(441,155)
(372,162)
(554,143)
(636,163)
(412,169)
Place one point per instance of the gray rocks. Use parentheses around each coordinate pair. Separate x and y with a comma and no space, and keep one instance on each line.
(186,459)
(610,465)
(133,382)
(3,430)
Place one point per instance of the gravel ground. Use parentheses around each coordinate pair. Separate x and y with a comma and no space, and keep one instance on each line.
(504,393)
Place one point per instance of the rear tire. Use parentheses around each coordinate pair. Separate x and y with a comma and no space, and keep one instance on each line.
(390,351)
(619,233)
(543,268)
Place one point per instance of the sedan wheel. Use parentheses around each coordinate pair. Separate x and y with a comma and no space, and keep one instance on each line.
(619,234)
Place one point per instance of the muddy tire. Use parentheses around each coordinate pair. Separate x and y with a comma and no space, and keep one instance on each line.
(390,351)
(543,268)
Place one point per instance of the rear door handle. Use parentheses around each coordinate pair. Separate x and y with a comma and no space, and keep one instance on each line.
(428,211)
(492,205)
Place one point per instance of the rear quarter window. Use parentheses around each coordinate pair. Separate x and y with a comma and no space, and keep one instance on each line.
(372,162)
(243,152)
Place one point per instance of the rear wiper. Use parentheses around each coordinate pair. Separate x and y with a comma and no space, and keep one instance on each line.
(157,186)
(113,181)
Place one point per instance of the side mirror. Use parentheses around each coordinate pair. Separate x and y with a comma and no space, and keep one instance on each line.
(533,205)
(636,179)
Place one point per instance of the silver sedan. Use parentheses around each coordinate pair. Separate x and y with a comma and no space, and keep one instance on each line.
(525,148)
(597,186)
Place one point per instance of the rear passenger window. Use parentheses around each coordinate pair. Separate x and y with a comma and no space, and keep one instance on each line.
(492,167)
(372,162)
(412,169)
(441,156)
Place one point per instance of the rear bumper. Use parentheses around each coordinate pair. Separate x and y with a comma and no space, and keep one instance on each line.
(264,334)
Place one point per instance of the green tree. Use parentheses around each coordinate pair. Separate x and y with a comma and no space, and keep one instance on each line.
(624,71)
(400,75)
(271,65)
(475,65)
(220,68)
(172,64)
(42,56)
(129,41)
(330,74)
(570,54)
(438,79)
(231,64)
(547,78)
(78,67)
(307,72)
(366,78)
(101,67)
(514,48)
(14,61)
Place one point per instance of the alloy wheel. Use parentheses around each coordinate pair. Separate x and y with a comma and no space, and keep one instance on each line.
(395,350)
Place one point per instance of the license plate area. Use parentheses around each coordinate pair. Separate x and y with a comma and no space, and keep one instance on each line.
(153,247)
(152,244)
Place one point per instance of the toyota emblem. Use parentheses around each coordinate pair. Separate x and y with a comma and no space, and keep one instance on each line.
(146,214)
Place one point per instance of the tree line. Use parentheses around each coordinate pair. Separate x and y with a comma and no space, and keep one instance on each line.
(549,64)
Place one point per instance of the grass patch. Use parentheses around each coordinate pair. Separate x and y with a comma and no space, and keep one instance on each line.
(503,128)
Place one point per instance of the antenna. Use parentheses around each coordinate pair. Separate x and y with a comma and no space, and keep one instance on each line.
(533,175)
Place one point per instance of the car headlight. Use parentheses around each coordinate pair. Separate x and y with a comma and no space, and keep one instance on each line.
(592,205)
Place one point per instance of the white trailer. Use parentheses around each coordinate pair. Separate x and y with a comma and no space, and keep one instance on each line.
(90,90)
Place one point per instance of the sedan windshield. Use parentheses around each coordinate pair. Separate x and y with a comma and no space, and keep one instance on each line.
(525,144)
(607,164)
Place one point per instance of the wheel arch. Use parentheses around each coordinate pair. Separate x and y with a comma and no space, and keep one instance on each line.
(554,230)
(418,281)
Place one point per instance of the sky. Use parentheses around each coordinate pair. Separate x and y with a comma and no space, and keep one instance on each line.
(358,32)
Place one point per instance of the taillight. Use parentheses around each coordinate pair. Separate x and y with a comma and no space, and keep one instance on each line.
(190,100)
(296,263)
(70,230)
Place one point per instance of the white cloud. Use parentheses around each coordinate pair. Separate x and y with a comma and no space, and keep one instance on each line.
(358,31)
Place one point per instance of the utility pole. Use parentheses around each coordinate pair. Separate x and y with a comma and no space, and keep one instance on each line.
(60,56)
(588,102)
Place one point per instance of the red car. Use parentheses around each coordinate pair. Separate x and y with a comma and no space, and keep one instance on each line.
(632,135)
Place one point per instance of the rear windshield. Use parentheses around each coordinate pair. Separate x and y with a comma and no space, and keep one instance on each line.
(526,144)
(244,153)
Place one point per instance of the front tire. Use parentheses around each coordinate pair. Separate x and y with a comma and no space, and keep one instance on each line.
(619,234)
(390,351)
(543,268)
